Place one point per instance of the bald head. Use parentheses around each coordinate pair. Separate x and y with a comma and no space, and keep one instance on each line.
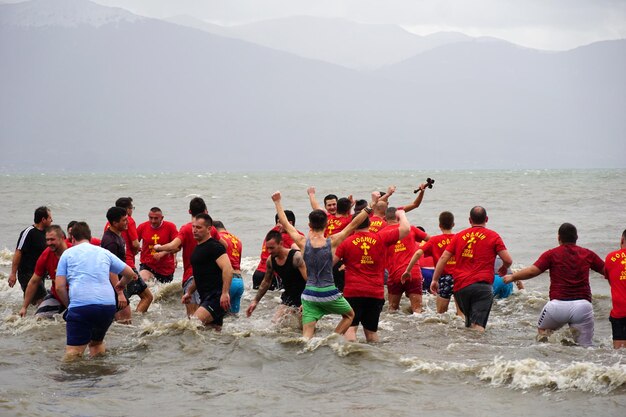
(478,215)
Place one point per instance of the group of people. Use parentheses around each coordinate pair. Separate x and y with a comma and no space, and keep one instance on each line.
(352,251)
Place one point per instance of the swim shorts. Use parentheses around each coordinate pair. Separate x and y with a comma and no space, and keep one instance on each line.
(163,279)
(411,286)
(446,286)
(578,314)
(236,291)
(318,302)
(475,302)
(619,328)
(88,323)
(366,311)
(211,303)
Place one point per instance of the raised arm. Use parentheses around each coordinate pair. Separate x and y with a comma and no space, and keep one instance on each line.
(288,227)
(390,190)
(418,200)
(404,226)
(314,204)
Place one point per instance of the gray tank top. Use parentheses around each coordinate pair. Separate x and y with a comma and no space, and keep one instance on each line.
(319,265)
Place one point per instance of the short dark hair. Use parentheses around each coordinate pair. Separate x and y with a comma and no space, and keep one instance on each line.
(56,229)
(114,214)
(446,220)
(318,220)
(568,233)
(197,206)
(218,224)
(71,224)
(360,205)
(291,217)
(330,197)
(364,224)
(274,234)
(624,234)
(343,205)
(155,209)
(81,231)
(41,213)
(478,215)
(208,221)
(390,214)
(124,202)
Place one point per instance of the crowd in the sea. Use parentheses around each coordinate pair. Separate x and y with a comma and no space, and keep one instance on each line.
(352,252)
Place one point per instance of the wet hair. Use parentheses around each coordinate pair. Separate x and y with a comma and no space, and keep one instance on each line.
(343,205)
(71,224)
(478,215)
(57,230)
(114,214)
(390,214)
(446,220)
(156,210)
(291,218)
(81,231)
(359,205)
(208,221)
(41,213)
(218,224)
(274,234)
(364,224)
(318,220)
(330,197)
(197,206)
(568,233)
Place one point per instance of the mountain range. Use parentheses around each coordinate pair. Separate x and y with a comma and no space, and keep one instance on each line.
(92,88)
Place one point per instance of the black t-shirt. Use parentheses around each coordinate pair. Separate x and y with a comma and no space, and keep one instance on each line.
(114,243)
(206,273)
(32,243)
(292,280)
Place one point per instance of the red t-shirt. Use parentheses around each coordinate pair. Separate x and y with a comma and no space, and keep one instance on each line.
(569,266)
(233,249)
(336,224)
(615,272)
(189,243)
(149,237)
(377,224)
(435,248)
(400,254)
(475,250)
(47,262)
(363,254)
(287,242)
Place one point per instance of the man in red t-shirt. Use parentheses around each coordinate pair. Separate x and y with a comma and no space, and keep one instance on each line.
(234,248)
(363,253)
(188,243)
(435,248)
(47,263)
(156,231)
(570,292)
(398,258)
(475,250)
(615,272)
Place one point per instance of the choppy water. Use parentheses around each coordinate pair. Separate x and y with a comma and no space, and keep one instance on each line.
(163,364)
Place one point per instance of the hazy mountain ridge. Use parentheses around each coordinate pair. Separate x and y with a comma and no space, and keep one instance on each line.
(149,95)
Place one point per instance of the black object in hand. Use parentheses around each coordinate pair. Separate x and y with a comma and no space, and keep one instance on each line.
(429,184)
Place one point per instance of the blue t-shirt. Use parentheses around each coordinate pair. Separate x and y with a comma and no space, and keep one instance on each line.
(86,268)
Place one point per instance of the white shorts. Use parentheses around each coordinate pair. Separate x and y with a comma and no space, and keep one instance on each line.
(578,314)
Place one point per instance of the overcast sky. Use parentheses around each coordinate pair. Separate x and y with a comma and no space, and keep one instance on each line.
(543,24)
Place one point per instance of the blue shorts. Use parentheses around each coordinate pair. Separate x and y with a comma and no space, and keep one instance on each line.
(88,323)
(427,278)
(236,291)
(500,289)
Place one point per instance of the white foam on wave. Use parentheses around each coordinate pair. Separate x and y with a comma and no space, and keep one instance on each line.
(529,373)
(6,257)
(249,264)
